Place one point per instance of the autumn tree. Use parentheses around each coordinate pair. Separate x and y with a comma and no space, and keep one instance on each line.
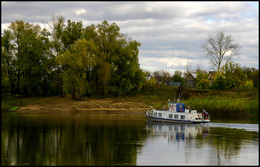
(220,49)
(77,61)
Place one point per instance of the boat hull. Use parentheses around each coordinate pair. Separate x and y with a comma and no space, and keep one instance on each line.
(155,119)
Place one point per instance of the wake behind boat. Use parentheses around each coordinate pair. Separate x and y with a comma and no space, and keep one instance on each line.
(177,113)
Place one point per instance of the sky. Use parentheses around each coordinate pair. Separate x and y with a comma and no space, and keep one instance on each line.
(171,33)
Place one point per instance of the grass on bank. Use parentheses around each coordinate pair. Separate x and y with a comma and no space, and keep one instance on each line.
(242,102)
(8,102)
(216,102)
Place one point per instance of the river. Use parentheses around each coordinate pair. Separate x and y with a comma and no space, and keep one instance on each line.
(123,139)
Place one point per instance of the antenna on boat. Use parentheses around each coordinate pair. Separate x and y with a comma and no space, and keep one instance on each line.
(179,98)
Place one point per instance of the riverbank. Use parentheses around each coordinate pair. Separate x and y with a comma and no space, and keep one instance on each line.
(57,104)
(234,102)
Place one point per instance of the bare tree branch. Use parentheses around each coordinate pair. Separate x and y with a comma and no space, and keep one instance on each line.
(220,48)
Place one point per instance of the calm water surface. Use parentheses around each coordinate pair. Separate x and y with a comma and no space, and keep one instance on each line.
(123,139)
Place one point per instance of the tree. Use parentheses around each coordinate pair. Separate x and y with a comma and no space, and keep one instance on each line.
(177,77)
(220,49)
(77,61)
(72,32)
(7,62)
(57,26)
(17,29)
(202,80)
(234,75)
(30,52)
(161,76)
(252,74)
(127,74)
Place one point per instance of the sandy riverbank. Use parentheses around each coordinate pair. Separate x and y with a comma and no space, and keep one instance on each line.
(65,105)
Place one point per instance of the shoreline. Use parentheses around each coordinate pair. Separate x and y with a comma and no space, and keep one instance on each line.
(64,105)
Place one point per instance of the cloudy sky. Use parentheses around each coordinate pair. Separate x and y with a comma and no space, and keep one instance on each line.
(171,33)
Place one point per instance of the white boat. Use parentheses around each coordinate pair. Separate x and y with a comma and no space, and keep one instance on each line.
(177,113)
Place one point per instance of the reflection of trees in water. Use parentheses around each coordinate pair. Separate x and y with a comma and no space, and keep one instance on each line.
(226,141)
(71,142)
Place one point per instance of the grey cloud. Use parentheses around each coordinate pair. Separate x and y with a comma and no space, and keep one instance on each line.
(165,29)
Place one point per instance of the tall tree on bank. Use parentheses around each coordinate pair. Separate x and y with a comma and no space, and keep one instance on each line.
(57,25)
(220,49)
(76,62)
(109,44)
(8,72)
(28,55)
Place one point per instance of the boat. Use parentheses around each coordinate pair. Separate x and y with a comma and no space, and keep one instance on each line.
(177,113)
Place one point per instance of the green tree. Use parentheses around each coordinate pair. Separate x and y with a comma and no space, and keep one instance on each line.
(219,82)
(252,74)
(202,80)
(57,26)
(126,72)
(104,71)
(77,61)
(234,75)
(7,63)
(249,85)
(72,32)
(161,76)
(231,76)
(18,30)
(109,42)
(177,77)
(31,49)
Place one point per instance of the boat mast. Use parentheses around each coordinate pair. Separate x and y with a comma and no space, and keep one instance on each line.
(179,98)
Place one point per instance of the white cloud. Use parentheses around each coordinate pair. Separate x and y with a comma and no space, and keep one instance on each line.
(166,30)
(80,12)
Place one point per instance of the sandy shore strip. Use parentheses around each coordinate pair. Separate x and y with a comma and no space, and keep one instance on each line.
(65,105)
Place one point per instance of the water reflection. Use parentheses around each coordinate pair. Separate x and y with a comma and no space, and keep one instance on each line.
(200,144)
(71,139)
(177,132)
(122,139)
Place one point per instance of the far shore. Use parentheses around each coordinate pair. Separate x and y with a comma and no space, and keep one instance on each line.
(65,105)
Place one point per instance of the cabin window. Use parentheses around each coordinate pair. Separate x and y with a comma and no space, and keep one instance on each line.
(175,116)
(182,116)
(155,114)
(160,114)
(170,115)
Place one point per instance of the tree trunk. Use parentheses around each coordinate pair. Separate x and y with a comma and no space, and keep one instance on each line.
(18,83)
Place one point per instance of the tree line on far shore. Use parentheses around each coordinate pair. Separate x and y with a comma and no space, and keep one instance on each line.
(68,58)
(231,76)
(94,60)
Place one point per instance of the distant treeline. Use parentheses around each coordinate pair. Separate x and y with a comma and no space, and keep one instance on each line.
(68,58)
(94,60)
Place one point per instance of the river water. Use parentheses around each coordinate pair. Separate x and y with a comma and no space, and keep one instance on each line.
(123,139)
